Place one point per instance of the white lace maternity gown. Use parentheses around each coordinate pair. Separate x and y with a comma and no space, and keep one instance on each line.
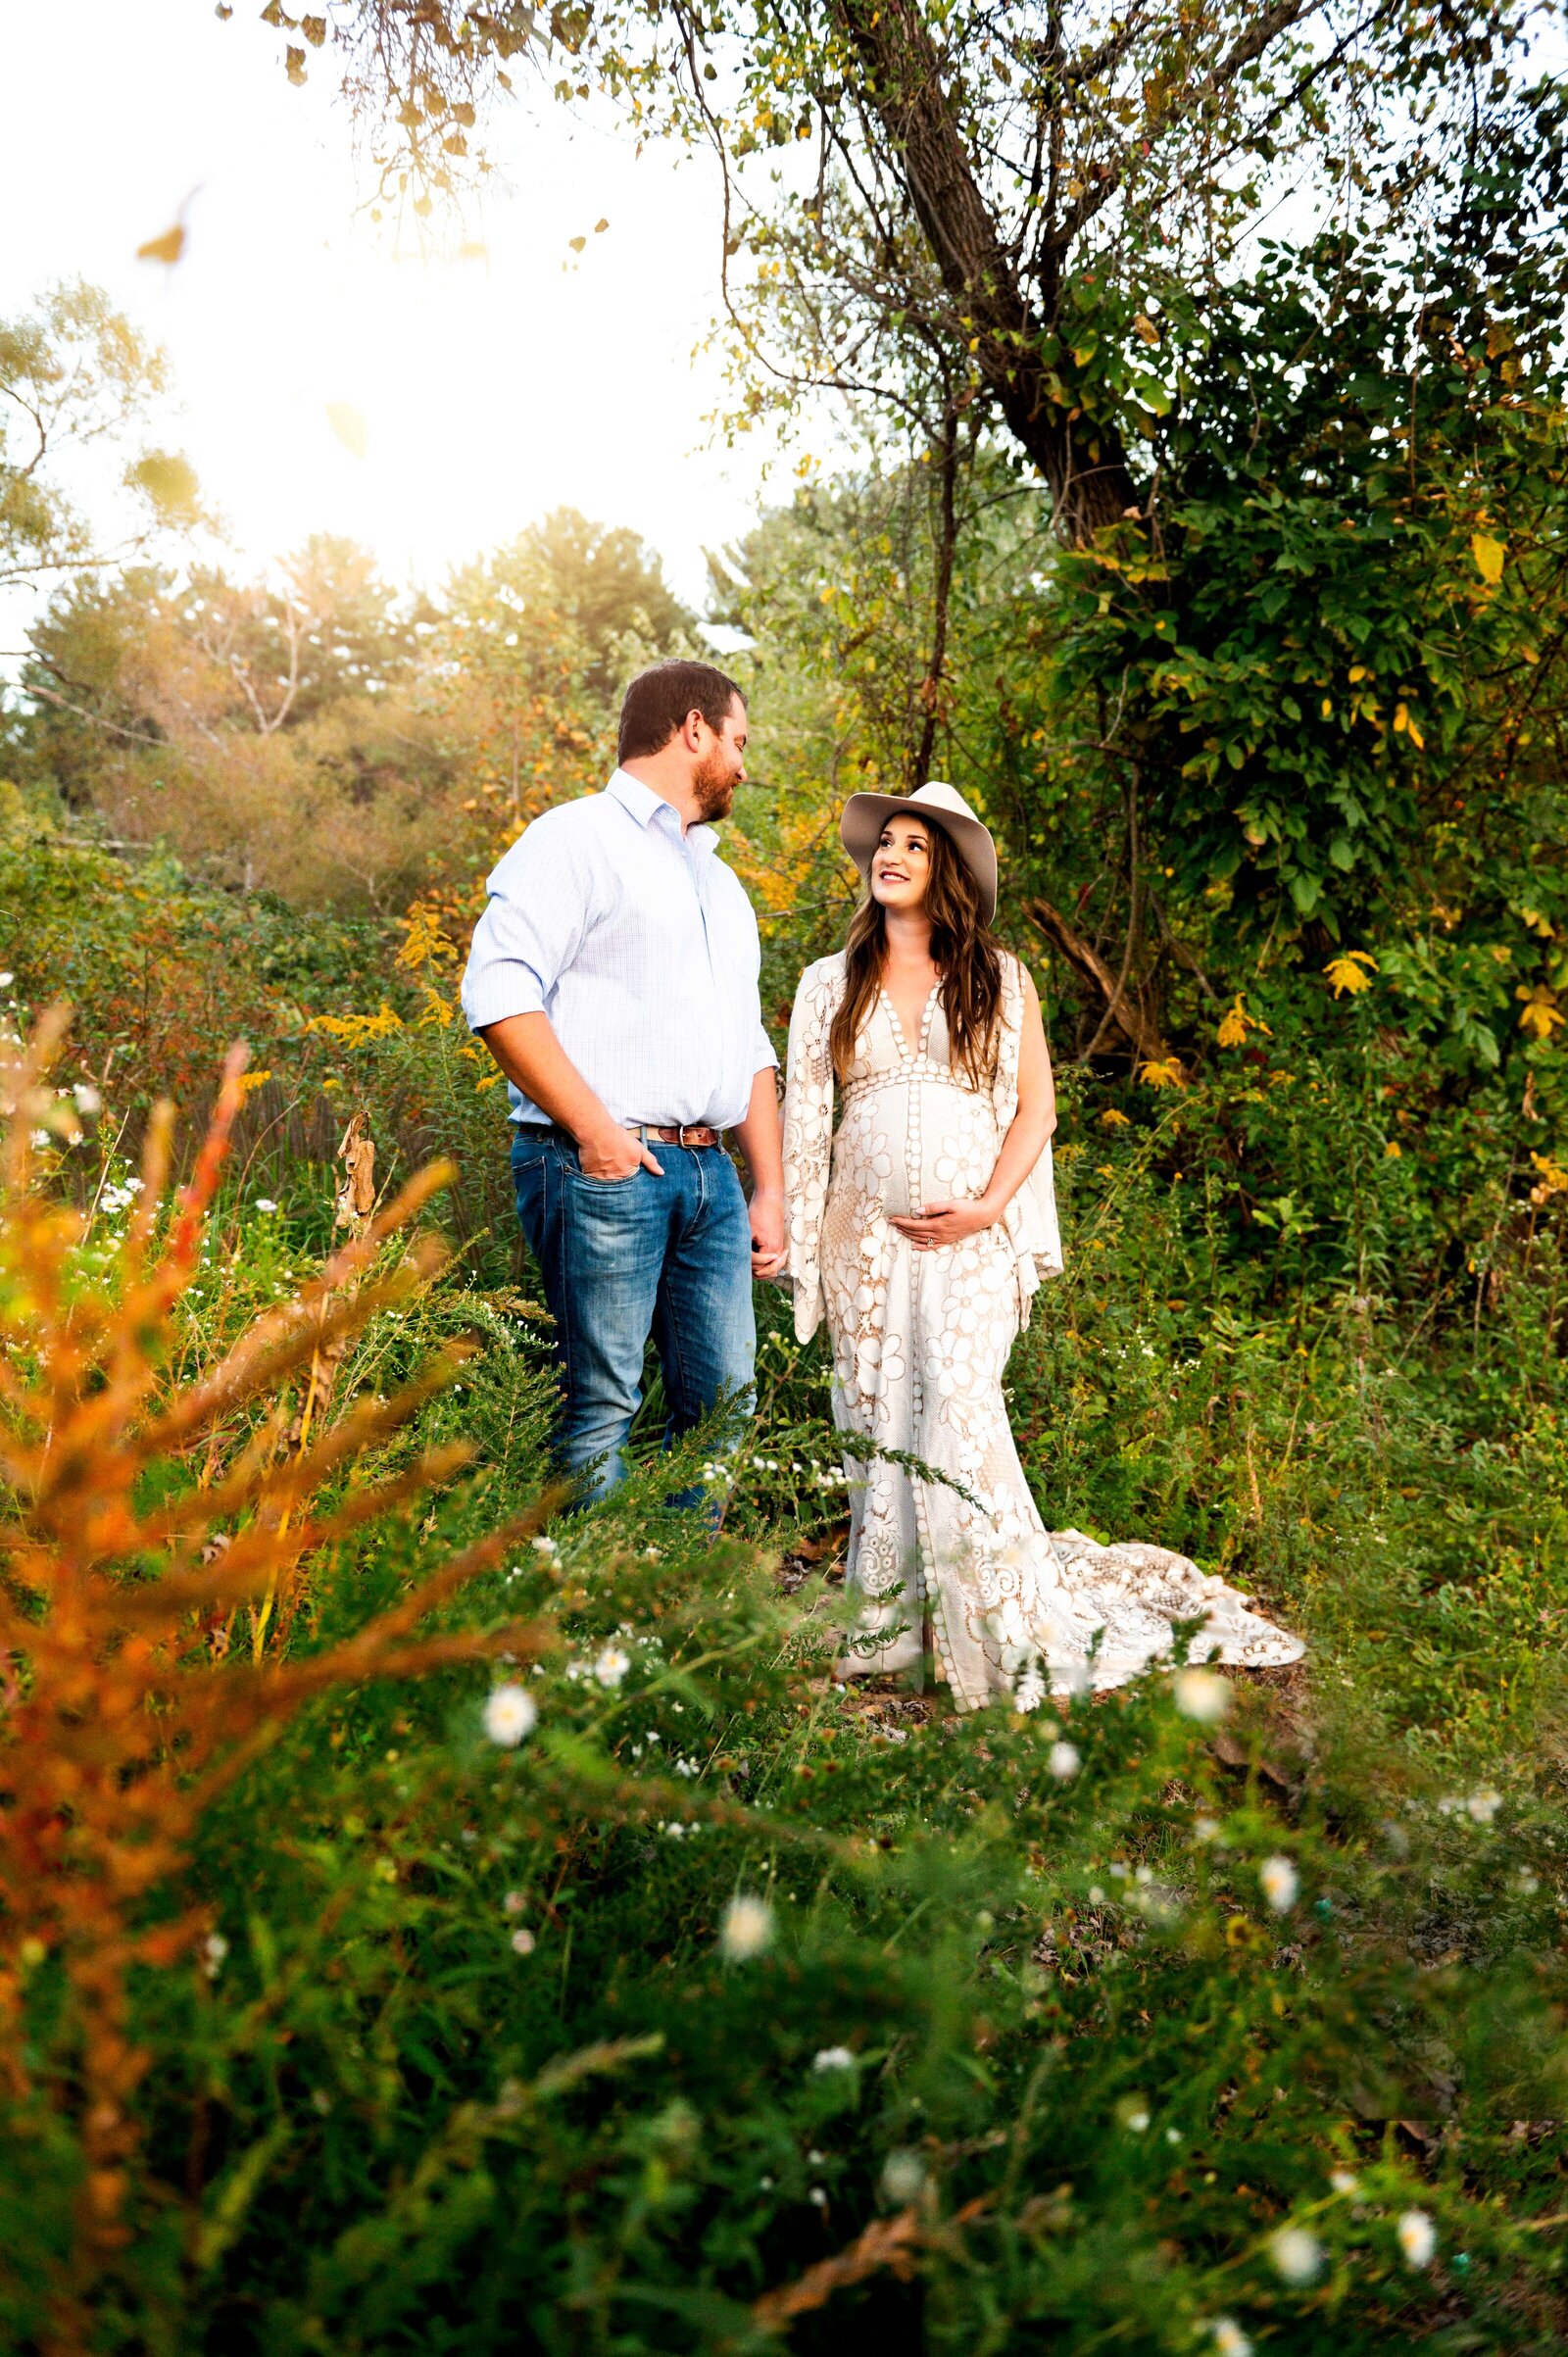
(920,1341)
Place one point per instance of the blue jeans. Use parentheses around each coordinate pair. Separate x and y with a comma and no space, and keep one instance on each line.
(623,1259)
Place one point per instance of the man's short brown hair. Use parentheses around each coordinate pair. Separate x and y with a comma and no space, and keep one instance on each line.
(658,700)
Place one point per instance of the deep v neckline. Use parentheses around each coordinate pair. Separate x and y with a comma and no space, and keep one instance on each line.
(909,1054)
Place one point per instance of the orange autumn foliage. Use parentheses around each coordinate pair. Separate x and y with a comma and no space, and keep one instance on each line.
(145,1514)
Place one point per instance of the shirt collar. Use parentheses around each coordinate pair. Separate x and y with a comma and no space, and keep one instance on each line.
(645,806)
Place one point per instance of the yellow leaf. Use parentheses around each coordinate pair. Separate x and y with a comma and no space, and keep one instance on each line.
(1541,1016)
(1145,328)
(1401,717)
(1416,738)
(1358,671)
(1553,1178)
(167,249)
(1489,554)
(349,426)
(168,480)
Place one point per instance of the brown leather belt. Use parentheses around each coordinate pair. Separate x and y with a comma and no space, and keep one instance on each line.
(677,1132)
(667,1133)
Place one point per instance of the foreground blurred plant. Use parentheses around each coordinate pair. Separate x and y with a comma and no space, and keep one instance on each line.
(145,1514)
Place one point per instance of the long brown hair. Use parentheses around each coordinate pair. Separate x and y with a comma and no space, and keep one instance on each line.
(964,952)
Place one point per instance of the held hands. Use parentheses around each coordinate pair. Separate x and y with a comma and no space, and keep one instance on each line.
(768,1250)
(937,1224)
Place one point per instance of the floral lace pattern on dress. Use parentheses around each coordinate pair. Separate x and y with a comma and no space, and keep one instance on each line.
(920,1342)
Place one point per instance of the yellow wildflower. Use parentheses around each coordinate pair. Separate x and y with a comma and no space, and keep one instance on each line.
(1162,1072)
(1345,972)
(355,1029)
(1237,1023)
(1110,1118)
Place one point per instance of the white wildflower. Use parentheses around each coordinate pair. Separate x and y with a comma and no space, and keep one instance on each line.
(214,1947)
(514,1903)
(509,1714)
(748,1929)
(1202,1695)
(904,2178)
(1229,2338)
(6,981)
(1065,1761)
(1298,2255)
(818,2197)
(833,2058)
(88,1099)
(1418,2238)
(546,1546)
(1344,2181)
(1281,1884)
(1030,1690)
(523,1942)
(1137,2119)
(612,1666)
(264,1202)
(1484,1806)
(1204,1829)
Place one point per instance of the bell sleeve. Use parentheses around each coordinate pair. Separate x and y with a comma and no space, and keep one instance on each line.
(808,1135)
(1033,1227)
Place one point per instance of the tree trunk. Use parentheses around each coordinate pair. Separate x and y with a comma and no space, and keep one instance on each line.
(1121,1012)
(1084,466)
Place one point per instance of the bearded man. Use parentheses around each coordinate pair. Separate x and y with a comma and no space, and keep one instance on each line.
(613,977)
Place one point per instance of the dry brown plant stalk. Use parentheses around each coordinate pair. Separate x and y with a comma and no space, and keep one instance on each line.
(894,2243)
(144,1512)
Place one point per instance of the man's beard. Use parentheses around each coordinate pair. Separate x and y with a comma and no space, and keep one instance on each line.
(713,787)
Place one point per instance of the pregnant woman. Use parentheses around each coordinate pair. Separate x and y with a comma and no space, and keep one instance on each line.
(922,1229)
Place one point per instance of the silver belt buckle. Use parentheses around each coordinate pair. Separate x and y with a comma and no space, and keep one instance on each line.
(681,1128)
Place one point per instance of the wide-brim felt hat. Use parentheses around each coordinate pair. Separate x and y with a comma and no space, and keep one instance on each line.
(867,814)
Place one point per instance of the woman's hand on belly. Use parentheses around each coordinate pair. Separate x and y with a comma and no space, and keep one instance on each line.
(935,1224)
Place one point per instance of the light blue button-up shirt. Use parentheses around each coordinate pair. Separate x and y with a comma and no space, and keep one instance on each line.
(640,946)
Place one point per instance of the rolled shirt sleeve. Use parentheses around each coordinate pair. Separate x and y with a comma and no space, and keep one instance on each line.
(533,924)
(639,947)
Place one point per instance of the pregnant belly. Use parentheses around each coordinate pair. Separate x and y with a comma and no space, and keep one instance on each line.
(911,1144)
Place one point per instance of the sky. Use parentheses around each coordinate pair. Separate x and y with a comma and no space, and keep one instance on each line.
(492,389)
